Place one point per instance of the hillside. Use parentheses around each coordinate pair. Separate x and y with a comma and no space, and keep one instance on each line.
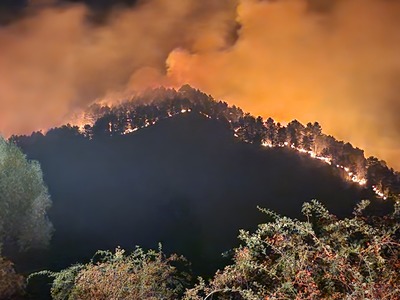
(185,182)
(148,108)
(191,180)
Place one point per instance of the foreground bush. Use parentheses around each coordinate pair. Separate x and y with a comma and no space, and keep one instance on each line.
(320,258)
(11,284)
(140,275)
(24,200)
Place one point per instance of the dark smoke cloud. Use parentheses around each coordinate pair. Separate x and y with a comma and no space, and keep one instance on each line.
(334,61)
(54,60)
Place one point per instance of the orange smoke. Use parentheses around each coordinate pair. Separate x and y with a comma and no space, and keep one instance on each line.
(54,61)
(340,66)
(334,61)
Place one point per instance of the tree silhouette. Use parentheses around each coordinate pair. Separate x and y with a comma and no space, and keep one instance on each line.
(295,132)
(153,105)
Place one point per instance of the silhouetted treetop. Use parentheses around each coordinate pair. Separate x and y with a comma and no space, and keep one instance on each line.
(146,109)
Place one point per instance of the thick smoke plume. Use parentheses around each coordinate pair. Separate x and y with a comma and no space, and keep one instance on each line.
(335,61)
(55,61)
(338,64)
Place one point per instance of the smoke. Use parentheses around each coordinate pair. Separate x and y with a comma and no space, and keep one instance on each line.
(336,62)
(55,61)
(332,61)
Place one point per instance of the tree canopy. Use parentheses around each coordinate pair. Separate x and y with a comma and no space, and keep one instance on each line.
(153,105)
(24,200)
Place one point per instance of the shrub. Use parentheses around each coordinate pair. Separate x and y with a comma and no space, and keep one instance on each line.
(320,258)
(11,284)
(141,275)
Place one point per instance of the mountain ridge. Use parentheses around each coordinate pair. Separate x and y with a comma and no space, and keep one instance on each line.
(185,182)
(146,109)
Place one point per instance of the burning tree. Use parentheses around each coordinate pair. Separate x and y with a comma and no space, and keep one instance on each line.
(153,105)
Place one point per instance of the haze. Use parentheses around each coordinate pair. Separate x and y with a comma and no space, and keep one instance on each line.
(335,62)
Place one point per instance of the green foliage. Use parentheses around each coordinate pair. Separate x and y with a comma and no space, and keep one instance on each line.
(141,275)
(320,258)
(24,200)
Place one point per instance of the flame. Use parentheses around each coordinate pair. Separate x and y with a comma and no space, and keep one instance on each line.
(379,193)
(285,59)
(350,175)
(81,121)
(292,63)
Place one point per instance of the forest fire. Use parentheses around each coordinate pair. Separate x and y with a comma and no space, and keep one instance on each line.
(350,175)
(129,117)
(301,59)
(379,193)
(110,135)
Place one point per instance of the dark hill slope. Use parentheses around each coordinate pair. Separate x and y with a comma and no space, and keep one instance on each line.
(185,182)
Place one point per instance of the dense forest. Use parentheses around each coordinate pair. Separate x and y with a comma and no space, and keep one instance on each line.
(179,168)
(146,109)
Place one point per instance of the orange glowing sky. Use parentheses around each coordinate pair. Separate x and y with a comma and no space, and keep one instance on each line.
(334,61)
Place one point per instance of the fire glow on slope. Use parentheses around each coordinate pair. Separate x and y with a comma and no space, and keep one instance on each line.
(149,123)
(350,176)
(328,60)
(338,64)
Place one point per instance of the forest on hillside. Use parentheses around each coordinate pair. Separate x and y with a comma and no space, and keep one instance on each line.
(180,168)
(147,108)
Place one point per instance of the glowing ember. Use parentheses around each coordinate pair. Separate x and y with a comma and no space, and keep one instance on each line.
(379,192)
(130,130)
(204,114)
(265,144)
